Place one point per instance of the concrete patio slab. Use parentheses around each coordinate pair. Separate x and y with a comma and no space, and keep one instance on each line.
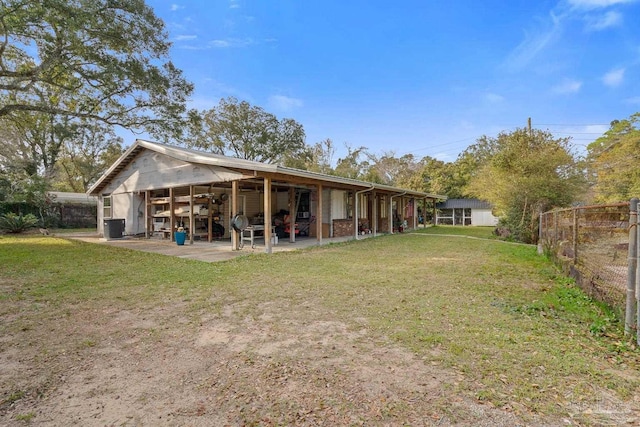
(219,250)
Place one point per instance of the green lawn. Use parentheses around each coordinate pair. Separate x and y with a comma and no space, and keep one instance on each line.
(458,230)
(497,314)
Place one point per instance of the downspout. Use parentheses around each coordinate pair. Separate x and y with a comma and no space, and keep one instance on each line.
(391,209)
(356,213)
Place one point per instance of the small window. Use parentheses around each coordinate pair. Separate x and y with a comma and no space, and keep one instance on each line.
(383,211)
(363,206)
(348,204)
(106,206)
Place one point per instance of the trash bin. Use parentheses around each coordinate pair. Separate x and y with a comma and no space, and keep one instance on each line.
(180,237)
(113,228)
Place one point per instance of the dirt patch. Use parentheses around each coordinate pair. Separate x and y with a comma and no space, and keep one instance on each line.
(284,365)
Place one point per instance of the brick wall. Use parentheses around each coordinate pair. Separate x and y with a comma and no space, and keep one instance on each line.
(342,227)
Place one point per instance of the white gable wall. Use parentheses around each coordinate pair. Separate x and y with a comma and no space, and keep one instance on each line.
(483,217)
(151,171)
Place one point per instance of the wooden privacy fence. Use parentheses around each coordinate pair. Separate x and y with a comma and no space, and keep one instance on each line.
(57,214)
(598,246)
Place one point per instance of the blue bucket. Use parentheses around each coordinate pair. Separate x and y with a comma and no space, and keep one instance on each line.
(180,237)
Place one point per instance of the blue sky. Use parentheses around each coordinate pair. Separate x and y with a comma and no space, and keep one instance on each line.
(420,77)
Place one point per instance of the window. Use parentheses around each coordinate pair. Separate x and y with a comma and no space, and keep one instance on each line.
(304,204)
(383,211)
(348,197)
(106,206)
(338,204)
(363,205)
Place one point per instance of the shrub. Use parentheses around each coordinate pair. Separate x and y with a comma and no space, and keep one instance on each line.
(12,223)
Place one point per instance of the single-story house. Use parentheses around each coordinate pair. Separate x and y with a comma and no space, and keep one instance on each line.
(465,212)
(153,189)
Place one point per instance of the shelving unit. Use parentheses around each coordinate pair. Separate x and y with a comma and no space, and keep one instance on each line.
(167,213)
(160,216)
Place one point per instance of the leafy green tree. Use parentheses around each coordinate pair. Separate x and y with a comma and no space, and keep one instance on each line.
(236,128)
(398,171)
(355,165)
(102,60)
(320,158)
(439,177)
(36,141)
(91,150)
(613,161)
(470,162)
(524,174)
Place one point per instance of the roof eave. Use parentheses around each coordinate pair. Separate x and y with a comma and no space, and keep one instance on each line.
(223,161)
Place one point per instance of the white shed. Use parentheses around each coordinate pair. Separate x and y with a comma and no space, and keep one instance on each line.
(465,212)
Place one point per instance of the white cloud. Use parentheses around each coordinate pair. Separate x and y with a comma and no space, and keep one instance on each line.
(597,4)
(567,86)
(284,103)
(175,7)
(634,100)
(191,47)
(184,37)
(593,130)
(531,46)
(614,78)
(229,43)
(493,98)
(444,157)
(233,4)
(602,22)
(549,30)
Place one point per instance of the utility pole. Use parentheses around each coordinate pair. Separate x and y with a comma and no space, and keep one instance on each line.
(529,127)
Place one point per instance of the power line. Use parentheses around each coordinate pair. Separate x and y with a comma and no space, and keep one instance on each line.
(457,150)
(577,133)
(574,124)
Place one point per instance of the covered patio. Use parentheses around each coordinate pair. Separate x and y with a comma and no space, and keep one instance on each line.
(155,189)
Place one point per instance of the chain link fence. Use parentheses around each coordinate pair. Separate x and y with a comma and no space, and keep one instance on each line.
(592,244)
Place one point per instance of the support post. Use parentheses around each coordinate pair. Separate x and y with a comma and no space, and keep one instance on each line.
(267,215)
(172,215)
(192,218)
(632,264)
(374,213)
(319,219)
(414,204)
(391,218)
(435,212)
(148,221)
(424,213)
(210,220)
(235,236)
(293,214)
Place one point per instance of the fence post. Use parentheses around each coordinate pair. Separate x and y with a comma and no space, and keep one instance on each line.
(637,287)
(575,236)
(555,229)
(540,248)
(632,263)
